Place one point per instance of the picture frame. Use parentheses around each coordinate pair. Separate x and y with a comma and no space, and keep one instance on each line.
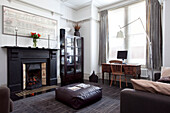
(26,23)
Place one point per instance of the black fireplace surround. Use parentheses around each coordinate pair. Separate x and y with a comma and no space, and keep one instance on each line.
(17,56)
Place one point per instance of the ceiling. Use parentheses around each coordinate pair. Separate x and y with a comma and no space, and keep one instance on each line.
(77,4)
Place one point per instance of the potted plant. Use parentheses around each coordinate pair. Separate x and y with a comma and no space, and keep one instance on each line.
(35,37)
(77,27)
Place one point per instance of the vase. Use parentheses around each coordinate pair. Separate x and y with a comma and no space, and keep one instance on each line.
(76,33)
(34,42)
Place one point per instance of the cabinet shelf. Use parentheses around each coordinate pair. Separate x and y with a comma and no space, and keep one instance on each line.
(78,47)
(70,55)
(70,64)
(78,55)
(70,46)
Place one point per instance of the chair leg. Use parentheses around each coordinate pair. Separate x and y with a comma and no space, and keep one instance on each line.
(126,81)
(120,81)
(115,80)
(111,81)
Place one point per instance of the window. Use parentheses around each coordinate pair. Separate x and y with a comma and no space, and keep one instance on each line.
(135,38)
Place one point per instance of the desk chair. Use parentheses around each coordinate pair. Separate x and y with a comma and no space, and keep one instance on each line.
(117,70)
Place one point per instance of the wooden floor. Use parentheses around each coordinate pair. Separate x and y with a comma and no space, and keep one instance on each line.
(46,103)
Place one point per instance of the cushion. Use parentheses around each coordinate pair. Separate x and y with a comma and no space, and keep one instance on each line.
(165,71)
(151,86)
(165,79)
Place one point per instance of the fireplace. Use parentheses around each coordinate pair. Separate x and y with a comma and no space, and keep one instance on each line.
(34,75)
(30,68)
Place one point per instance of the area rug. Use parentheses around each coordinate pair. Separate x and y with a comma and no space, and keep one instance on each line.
(46,103)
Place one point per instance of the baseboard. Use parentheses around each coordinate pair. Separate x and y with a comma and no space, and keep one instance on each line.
(3,85)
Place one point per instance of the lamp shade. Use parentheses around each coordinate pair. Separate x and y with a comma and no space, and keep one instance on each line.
(120,34)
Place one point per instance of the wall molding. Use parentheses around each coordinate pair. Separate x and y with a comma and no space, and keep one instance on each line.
(80,21)
(36,6)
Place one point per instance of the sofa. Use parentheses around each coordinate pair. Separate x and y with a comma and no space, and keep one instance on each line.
(6,104)
(134,101)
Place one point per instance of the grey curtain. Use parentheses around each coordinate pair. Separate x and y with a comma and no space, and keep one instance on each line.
(154,30)
(103,37)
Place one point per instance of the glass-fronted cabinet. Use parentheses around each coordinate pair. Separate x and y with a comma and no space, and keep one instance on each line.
(71,59)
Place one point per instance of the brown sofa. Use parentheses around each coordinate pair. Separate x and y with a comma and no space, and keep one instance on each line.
(6,104)
(133,101)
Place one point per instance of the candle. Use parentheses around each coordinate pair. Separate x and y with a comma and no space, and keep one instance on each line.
(16,28)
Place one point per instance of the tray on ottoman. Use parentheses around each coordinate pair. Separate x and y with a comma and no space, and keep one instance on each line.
(78,95)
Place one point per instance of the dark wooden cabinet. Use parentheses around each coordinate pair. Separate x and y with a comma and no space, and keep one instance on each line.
(71,59)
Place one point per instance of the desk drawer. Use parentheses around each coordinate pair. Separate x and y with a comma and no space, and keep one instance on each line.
(129,72)
(106,69)
(128,68)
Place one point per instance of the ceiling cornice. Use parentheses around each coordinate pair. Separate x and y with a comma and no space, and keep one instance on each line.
(75,7)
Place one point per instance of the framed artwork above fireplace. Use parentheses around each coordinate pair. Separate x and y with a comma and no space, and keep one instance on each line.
(27,22)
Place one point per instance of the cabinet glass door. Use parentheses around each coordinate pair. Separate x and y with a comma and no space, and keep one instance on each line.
(70,51)
(70,60)
(70,69)
(78,51)
(62,51)
(78,43)
(78,64)
(62,69)
(70,41)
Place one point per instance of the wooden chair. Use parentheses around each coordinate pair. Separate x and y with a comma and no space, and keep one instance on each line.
(117,71)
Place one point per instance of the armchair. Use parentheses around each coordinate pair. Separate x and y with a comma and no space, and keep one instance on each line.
(6,104)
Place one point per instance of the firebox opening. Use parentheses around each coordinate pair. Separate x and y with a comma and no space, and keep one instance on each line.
(34,75)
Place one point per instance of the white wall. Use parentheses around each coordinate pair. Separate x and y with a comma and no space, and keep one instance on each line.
(95,39)
(90,31)
(6,40)
(67,13)
(53,5)
(87,17)
(22,41)
(94,46)
(83,13)
(166,33)
(85,32)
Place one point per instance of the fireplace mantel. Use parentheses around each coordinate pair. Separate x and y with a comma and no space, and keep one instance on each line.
(17,56)
(33,48)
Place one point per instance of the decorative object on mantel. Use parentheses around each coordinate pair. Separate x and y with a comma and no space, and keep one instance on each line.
(77,27)
(93,78)
(16,30)
(35,37)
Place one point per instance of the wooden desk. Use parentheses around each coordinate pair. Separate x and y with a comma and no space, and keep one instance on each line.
(129,69)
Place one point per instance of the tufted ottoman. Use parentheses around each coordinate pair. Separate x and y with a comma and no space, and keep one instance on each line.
(78,95)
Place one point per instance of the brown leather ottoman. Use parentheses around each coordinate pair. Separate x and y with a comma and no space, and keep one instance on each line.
(78,95)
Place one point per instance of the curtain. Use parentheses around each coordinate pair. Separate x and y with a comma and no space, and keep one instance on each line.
(154,30)
(103,49)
